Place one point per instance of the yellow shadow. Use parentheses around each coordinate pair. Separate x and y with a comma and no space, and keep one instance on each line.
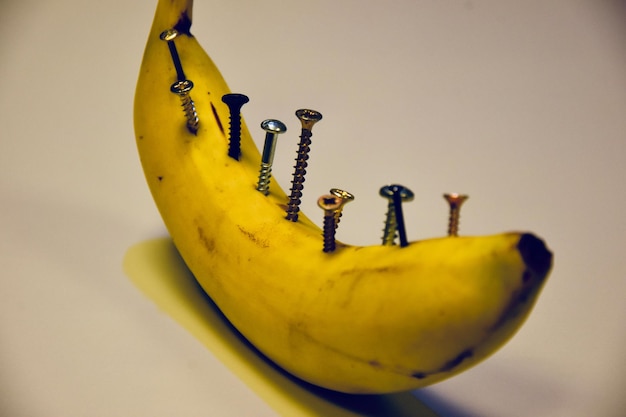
(157,269)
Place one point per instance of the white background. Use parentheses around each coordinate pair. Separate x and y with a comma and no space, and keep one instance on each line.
(520,104)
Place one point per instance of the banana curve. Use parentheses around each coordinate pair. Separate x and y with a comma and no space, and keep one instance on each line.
(362,319)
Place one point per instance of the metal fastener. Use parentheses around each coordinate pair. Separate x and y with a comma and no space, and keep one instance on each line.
(455,201)
(394,223)
(235,102)
(308,118)
(182,86)
(346,197)
(330,204)
(273,128)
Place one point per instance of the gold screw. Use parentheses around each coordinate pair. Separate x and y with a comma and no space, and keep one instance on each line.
(455,201)
(330,204)
(346,197)
(307,118)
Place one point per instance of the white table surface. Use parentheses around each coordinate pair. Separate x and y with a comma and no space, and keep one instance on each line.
(520,104)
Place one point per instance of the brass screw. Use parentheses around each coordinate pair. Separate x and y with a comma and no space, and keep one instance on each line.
(394,223)
(455,201)
(330,204)
(235,102)
(273,128)
(182,86)
(346,197)
(308,118)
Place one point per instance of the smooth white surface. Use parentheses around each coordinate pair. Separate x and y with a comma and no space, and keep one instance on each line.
(518,103)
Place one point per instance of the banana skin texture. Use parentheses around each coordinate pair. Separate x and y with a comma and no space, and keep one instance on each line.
(362,319)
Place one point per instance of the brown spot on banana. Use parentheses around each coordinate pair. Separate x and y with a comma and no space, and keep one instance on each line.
(263,243)
(207,241)
(217,119)
(448,366)
(183,25)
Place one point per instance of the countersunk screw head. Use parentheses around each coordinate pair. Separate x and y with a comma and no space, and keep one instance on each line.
(344,195)
(329,203)
(234,100)
(455,200)
(308,117)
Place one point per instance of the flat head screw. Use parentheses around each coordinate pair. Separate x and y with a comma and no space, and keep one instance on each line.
(454,201)
(308,118)
(394,223)
(273,128)
(235,102)
(346,197)
(330,204)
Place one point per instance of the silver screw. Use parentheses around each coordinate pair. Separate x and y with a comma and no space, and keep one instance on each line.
(273,128)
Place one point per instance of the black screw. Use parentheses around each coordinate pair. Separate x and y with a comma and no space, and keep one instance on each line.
(235,102)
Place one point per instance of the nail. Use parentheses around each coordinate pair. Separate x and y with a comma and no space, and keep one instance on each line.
(235,102)
(455,201)
(346,197)
(182,86)
(273,128)
(394,224)
(329,203)
(308,118)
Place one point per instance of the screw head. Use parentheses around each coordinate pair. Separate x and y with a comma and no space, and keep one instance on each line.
(345,196)
(181,87)
(235,99)
(168,35)
(308,117)
(273,126)
(329,202)
(455,200)
(389,191)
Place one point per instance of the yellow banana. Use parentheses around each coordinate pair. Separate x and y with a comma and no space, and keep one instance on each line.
(372,319)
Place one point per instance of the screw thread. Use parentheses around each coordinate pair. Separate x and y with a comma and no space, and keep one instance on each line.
(330,226)
(189,108)
(298,175)
(265,174)
(453,223)
(234,144)
(391,228)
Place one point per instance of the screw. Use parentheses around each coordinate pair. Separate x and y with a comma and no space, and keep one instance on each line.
(455,201)
(330,204)
(235,102)
(182,86)
(273,129)
(394,223)
(346,197)
(169,35)
(308,118)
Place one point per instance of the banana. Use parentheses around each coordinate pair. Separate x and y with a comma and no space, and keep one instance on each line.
(359,319)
